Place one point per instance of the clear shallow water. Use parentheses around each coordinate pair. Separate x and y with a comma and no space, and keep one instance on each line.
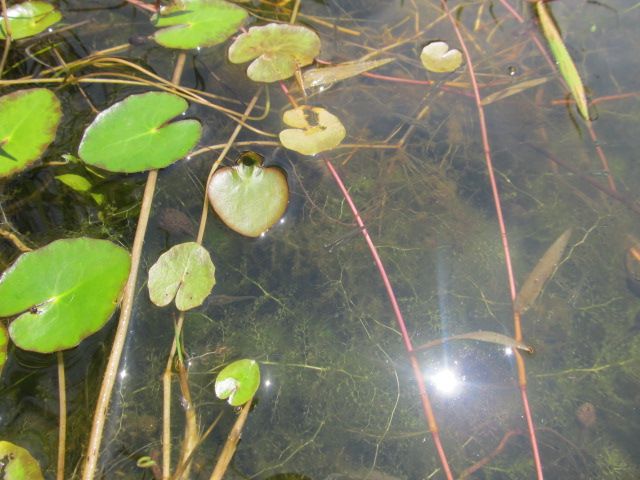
(338,398)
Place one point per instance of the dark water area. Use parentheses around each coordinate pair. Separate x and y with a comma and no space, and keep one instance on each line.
(338,397)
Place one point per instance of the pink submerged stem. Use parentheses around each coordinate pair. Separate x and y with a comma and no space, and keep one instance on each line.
(503,234)
(424,396)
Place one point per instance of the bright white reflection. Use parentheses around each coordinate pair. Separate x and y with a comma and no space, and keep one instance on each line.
(267,383)
(123,374)
(508,351)
(446,381)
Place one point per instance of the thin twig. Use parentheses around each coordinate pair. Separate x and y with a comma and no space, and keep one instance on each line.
(62,421)
(13,238)
(104,397)
(7,35)
(231,444)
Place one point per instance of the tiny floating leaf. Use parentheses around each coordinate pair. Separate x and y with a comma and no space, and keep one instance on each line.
(28,123)
(29,18)
(278,50)
(133,135)
(63,292)
(238,382)
(185,273)
(248,197)
(324,132)
(436,57)
(18,463)
(566,66)
(197,23)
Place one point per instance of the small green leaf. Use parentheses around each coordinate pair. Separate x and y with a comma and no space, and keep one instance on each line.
(29,18)
(238,382)
(278,50)
(197,23)
(75,182)
(185,272)
(436,57)
(17,463)
(324,132)
(566,66)
(248,197)
(133,135)
(28,123)
(63,292)
(4,344)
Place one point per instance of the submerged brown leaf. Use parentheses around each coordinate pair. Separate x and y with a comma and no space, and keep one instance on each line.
(481,336)
(513,90)
(541,273)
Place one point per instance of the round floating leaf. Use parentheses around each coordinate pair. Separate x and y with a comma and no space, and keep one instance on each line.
(29,18)
(436,57)
(185,272)
(323,132)
(197,23)
(4,343)
(17,463)
(238,382)
(133,135)
(28,123)
(63,292)
(278,50)
(248,197)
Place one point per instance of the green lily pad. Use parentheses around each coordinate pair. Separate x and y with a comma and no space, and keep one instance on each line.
(4,344)
(17,463)
(278,50)
(197,23)
(238,382)
(185,273)
(63,292)
(436,57)
(29,18)
(133,135)
(248,197)
(28,123)
(323,131)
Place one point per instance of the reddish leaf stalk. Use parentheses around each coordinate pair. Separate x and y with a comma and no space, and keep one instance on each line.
(503,234)
(424,396)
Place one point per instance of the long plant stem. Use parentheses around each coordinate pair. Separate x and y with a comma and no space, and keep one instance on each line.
(62,422)
(424,396)
(522,379)
(231,444)
(7,35)
(108,381)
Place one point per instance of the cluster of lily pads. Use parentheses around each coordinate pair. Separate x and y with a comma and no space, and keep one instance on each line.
(52,296)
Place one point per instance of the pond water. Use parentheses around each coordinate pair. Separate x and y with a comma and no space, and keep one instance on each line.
(339,398)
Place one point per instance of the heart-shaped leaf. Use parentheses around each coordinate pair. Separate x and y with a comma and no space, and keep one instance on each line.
(185,273)
(436,57)
(28,123)
(278,50)
(133,135)
(197,23)
(238,382)
(29,18)
(248,197)
(315,130)
(17,463)
(63,292)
